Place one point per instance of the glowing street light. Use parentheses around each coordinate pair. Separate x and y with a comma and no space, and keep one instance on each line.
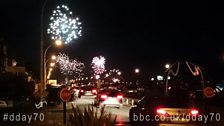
(53,57)
(63,26)
(57,43)
(119,73)
(52,64)
(167,66)
(137,70)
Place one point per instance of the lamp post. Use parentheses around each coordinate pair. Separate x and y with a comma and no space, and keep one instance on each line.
(168,72)
(42,51)
(49,73)
(52,64)
(57,43)
(137,70)
(53,57)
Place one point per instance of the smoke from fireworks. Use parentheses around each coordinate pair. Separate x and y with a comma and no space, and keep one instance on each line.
(69,66)
(98,65)
(63,26)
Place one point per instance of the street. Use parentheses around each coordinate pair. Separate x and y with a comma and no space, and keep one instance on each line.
(53,115)
(122,113)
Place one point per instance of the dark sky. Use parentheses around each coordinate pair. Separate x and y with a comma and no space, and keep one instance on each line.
(129,33)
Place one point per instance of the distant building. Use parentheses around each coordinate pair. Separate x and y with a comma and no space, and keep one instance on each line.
(15,84)
(8,63)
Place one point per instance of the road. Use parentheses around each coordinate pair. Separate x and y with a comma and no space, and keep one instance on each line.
(122,113)
(53,115)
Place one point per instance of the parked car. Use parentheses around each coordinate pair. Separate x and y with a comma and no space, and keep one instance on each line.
(53,95)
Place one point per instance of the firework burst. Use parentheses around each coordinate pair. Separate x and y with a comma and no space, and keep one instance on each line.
(69,66)
(98,65)
(114,75)
(114,72)
(63,26)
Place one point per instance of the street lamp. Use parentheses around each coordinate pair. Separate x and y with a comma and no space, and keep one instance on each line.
(137,70)
(168,72)
(53,57)
(119,73)
(167,66)
(57,43)
(50,69)
(41,53)
(49,74)
(52,64)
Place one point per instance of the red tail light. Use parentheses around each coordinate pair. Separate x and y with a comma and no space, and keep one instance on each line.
(161,112)
(103,96)
(194,112)
(82,90)
(94,90)
(119,96)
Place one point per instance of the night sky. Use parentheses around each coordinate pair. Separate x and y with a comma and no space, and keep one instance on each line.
(129,33)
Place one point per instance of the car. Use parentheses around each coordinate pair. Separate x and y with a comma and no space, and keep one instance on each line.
(109,97)
(89,90)
(75,90)
(53,95)
(182,108)
(131,90)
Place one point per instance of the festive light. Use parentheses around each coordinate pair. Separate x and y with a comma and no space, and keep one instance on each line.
(114,72)
(63,26)
(113,75)
(98,65)
(69,66)
(196,71)
(115,80)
